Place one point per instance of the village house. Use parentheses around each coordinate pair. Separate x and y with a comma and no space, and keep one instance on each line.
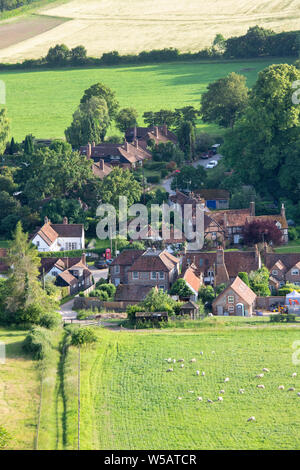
(193,279)
(101,169)
(72,273)
(142,135)
(220,267)
(125,155)
(283,267)
(122,263)
(59,237)
(237,299)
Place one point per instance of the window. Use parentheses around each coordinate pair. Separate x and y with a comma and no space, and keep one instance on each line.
(74,246)
(231,309)
(117,269)
(274,272)
(161,275)
(135,275)
(297,283)
(201,262)
(161,287)
(37,243)
(153,275)
(231,299)
(295,272)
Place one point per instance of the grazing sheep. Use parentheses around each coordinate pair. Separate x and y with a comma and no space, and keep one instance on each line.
(226,380)
(259,376)
(193,360)
(209,401)
(298,394)
(291,389)
(199,398)
(222,391)
(169,360)
(174,361)
(182,366)
(260,386)
(281,387)
(201,352)
(213,352)
(198,372)
(179,398)
(241,390)
(203,374)
(220,398)
(252,418)
(294,374)
(170,370)
(266,370)
(180,360)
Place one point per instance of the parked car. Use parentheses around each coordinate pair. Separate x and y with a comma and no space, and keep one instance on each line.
(101,264)
(211,164)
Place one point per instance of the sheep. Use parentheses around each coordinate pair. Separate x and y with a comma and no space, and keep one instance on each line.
(252,418)
(170,370)
(298,394)
(201,352)
(179,398)
(291,389)
(226,380)
(198,372)
(294,374)
(199,398)
(182,366)
(180,360)
(260,386)
(193,360)
(241,390)
(203,374)
(266,370)
(222,391)
(209,401)
(169,360)
(259,376)
(281,387)
(174,361)
(220,398)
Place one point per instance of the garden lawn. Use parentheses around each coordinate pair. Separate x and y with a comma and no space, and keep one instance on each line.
(129,401)
(42,102)
(19,391)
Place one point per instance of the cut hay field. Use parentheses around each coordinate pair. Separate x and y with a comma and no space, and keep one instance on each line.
(19,392)
(42,103)
(129,401)
(137,25)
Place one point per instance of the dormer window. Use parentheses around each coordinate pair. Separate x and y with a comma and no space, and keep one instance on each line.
(274,272)
(295,272)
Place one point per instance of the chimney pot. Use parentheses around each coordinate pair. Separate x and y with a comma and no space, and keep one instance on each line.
(283,210)
(252,209)
(65,221)
(88,151)
(101,164)
(46,220)
(156,132)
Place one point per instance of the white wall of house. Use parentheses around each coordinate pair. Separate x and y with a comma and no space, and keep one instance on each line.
(61,244)
(43,246)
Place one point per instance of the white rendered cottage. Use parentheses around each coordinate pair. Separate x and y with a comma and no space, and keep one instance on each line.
(59,237)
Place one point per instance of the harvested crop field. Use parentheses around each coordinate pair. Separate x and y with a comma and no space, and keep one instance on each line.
(14,32)
(137,25)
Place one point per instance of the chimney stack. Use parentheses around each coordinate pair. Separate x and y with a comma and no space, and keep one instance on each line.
(126,145)
(46,220)
(283,211)
(156,132)
(88,151)
(65,221)
(136,143)
(94,145)
(134,133)
(252,209)
(83,258)
(220,256)
(101,164)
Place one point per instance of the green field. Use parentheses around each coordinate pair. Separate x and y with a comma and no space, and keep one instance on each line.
(128,401)
(42,102)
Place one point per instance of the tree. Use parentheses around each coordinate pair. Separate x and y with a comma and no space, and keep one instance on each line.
(100,90)
(263,145)
(4,438)
(219,43)
(82,336)
(224,100)
(158,301)
(78,55)
(186,139)
(58,55)
(181,289)
(26,301)
(167,152)
(126,118)
(259,282)
(29,144)
(120,183)
(90,123)
(13,148)
(4,130)
(244,277)
(260,231)
(189,179)
(207,294)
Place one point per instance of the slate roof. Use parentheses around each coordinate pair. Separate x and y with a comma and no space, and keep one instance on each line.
(155,261)
(127,257)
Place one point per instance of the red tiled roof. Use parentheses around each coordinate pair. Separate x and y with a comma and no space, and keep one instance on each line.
(241,289)
(127,257)
(271,218)
(288,259)
(231,218)
(191,278)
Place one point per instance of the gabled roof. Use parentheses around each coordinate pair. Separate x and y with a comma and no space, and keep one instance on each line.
(101,173)
(131,293)
(61,263)
(155,261)
(191,278)
(47,233)
(230,218)
(279,265)
(288,259)
(190,304)
(241,289)
(68,277)
(127,257)
(296,266)
(271,218)
(160,134)
(68,230)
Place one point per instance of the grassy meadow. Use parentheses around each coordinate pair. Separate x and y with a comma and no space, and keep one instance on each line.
(129,401)
(42,102)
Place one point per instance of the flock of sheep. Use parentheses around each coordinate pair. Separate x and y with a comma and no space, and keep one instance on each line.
(226,380)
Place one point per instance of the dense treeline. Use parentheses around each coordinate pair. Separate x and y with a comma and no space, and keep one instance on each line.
(257,42)
(6,5)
